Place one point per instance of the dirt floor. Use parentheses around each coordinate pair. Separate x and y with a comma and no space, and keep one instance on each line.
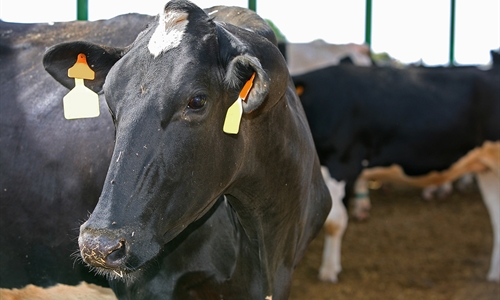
(408,249)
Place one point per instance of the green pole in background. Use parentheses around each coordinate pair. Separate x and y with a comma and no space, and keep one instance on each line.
(82,10)
(252,4)
(452,34)
(368,23)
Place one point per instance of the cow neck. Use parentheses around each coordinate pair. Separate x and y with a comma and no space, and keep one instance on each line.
(252,224)
(257,202)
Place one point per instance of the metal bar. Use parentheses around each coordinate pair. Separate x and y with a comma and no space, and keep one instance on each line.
(452,34)
(368,23)
(82,10)
(252,4)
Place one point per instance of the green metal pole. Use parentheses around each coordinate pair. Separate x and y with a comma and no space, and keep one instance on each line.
(82,10)
(452,34)
(368,23)
(252,4)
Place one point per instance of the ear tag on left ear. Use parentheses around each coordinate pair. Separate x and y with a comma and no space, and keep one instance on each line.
(235,111)
(81,102)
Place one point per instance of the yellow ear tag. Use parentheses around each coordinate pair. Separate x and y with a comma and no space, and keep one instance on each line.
(81,102)
(235,111)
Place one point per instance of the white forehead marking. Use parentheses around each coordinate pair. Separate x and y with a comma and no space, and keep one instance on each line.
(169,32)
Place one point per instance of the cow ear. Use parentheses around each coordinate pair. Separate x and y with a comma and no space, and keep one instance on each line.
(59,58)
(239,71)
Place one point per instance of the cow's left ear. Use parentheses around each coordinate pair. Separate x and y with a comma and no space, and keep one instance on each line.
(239,71)
(59,58)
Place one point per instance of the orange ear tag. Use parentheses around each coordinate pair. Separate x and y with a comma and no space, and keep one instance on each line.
(81,102)
(235,111)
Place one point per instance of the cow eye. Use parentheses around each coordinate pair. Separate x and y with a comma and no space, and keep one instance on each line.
(197,102)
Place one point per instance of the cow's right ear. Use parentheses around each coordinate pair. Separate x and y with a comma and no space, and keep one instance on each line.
(240,70)
(59,58)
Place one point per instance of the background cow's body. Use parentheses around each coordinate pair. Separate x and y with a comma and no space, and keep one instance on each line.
(186,209)
(386,116)
(421,119)
(52,169)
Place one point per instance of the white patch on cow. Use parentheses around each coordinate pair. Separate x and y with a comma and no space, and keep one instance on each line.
(169,33)
(213,12)
(489,185)
(335,226)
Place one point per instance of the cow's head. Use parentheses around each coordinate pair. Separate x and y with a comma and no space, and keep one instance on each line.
(168,93)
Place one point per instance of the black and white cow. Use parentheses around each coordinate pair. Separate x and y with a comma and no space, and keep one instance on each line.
(418,120)
(51,170)
(188,211)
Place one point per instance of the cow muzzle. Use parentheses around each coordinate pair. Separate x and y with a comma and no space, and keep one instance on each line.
(100,250)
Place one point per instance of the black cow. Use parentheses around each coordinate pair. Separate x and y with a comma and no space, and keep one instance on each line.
(389,115)
(51,170)
(495,58)
(421,119)
(188,211)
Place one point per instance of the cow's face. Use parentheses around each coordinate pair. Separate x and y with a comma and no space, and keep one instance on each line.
(168,94)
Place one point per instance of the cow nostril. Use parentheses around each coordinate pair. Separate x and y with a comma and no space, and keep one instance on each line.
(117,254)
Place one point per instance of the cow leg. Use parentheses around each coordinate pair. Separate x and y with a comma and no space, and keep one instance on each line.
(362,204)
(331,264)
(465,182)
(428,192)
(442,191)
(335,226)
(489,185)
(445,190)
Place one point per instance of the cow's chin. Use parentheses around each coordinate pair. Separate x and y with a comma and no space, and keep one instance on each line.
(125,275)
